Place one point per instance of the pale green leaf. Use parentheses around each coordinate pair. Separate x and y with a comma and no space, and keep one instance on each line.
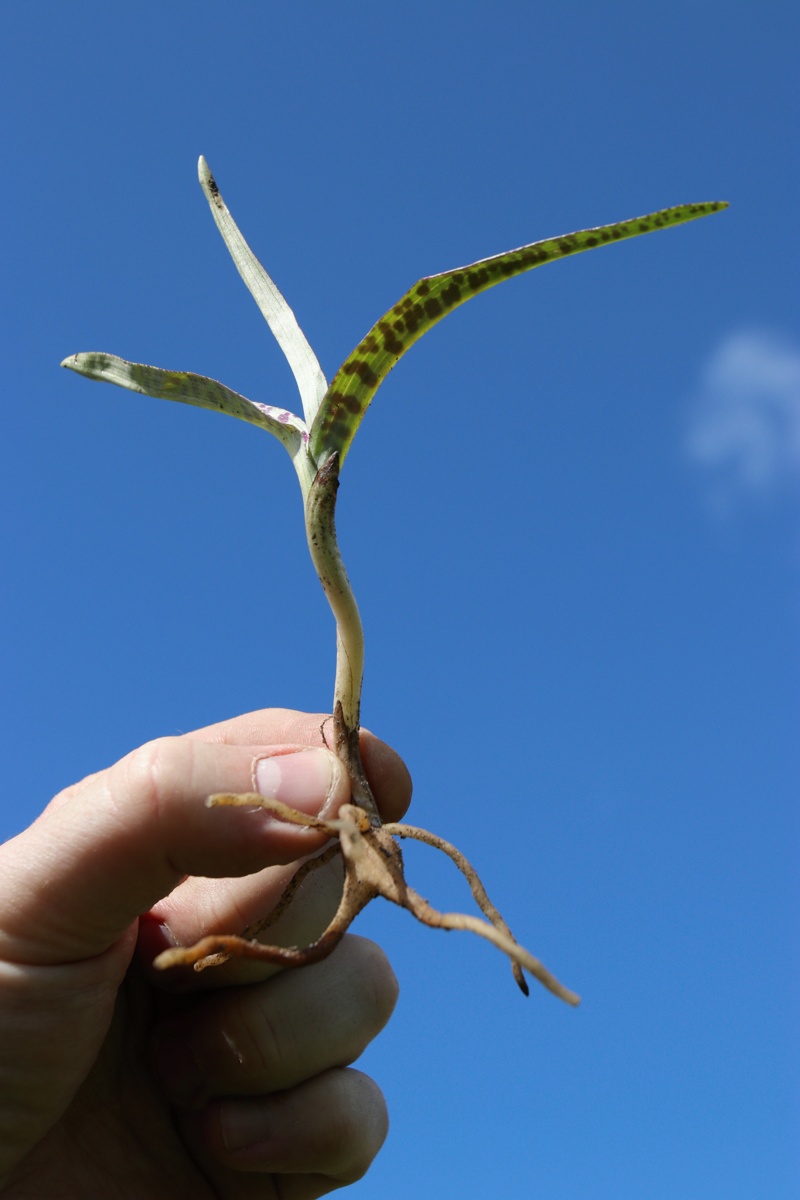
(188,388)
(276,312)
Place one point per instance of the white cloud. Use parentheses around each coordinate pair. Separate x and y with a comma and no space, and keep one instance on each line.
(745,419)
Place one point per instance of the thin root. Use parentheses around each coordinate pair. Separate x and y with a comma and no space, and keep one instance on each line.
(476,887)
(373,867)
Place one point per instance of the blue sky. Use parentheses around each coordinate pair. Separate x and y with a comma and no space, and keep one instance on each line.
(571,518)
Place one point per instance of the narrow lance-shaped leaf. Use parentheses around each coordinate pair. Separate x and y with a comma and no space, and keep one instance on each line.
(362,373)
(277,313)
(189,388)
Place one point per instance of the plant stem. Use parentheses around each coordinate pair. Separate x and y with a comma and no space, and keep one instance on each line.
(320,511)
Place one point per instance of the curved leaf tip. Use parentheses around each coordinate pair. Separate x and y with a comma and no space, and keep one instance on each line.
(207,181)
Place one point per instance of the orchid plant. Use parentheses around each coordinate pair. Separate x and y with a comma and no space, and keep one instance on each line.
(318,443)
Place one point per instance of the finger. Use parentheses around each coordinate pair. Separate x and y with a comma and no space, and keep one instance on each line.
(73,882)
(266,1038)
(318,1136)
(387,773)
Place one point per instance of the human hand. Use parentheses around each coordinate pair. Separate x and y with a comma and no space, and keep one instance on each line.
(116,1080)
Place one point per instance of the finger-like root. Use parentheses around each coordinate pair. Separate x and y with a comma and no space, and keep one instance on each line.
(476,887)
(218,948)
(253,931)
(373,867)
(504,941)
(293,887)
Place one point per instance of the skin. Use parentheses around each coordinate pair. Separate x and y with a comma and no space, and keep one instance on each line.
(118,1082)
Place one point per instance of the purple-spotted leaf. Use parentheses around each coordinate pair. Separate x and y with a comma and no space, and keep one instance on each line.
(362,373)
(276,312)
(189,388)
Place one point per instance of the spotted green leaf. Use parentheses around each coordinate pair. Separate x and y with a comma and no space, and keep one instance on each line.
(362,373)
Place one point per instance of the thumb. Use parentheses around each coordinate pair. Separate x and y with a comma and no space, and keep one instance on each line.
(108,849)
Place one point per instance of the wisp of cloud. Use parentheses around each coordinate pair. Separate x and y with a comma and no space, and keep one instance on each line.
(745,419)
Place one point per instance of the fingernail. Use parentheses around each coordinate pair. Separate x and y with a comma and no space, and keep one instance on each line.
(306,780)
(242,1125)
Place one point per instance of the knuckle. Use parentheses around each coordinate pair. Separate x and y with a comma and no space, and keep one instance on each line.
(152,772)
